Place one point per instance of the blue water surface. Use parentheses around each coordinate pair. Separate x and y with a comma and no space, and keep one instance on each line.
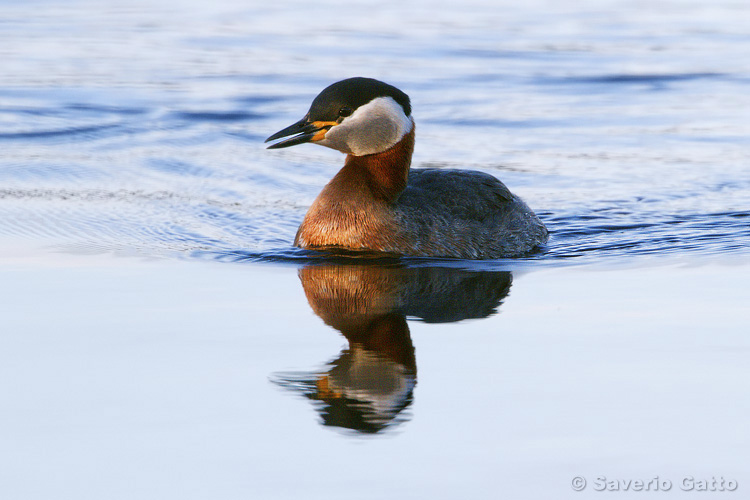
(137,127)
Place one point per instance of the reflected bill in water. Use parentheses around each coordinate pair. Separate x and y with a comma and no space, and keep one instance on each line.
(370,384)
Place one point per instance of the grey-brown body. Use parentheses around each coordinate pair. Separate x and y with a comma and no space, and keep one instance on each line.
(465,214)
(440,213)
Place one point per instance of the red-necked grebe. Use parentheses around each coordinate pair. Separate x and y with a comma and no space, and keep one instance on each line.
(376,203)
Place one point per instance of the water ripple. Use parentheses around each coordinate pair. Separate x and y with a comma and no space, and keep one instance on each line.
(56,133)
(628,139)
(161,222)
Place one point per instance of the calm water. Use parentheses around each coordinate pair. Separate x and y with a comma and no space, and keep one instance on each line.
(163,339)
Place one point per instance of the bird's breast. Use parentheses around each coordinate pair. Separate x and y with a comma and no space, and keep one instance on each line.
(370,227)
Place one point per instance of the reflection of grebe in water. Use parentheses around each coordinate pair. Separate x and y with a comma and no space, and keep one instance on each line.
(372,381)
(375,203)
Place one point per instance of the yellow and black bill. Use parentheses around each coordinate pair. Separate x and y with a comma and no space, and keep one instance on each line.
(303,131)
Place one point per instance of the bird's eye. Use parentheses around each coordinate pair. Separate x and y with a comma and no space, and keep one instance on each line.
(345,111)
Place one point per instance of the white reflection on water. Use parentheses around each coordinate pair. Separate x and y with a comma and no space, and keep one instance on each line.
(125,379)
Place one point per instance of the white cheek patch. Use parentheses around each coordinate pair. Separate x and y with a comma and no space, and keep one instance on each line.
(372,128)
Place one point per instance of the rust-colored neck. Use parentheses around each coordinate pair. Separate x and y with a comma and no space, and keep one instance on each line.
(353,209)
(384,173)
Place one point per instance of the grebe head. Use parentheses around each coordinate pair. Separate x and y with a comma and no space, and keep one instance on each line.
(357,116)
